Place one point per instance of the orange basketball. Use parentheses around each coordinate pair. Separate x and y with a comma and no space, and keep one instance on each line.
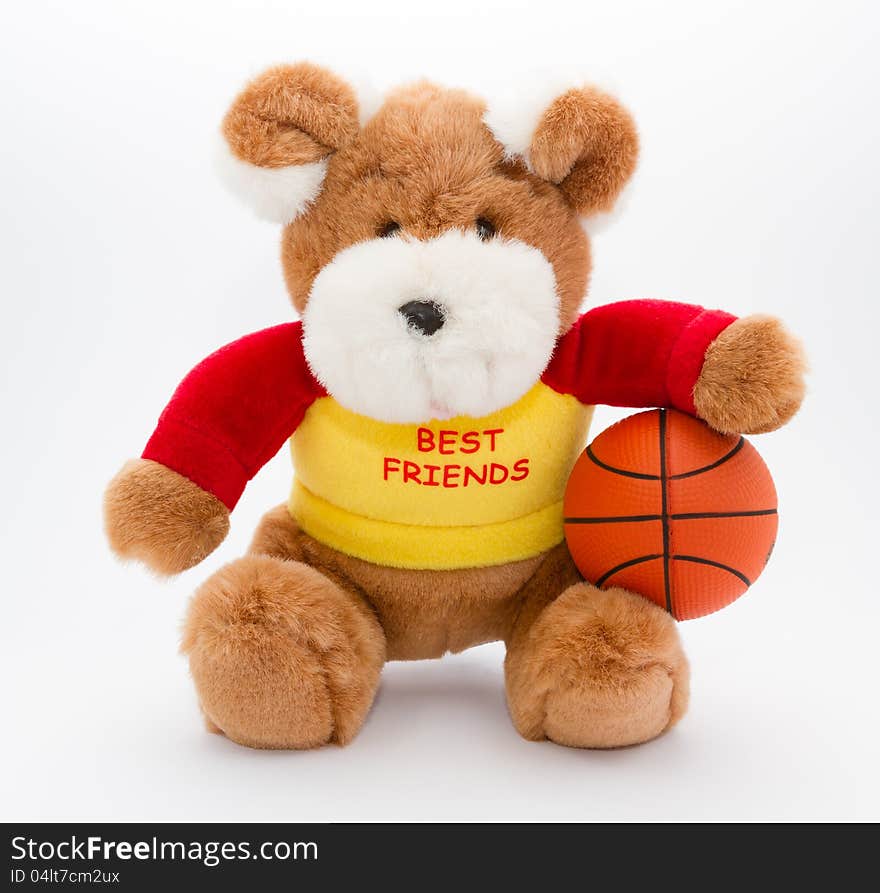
(662,505)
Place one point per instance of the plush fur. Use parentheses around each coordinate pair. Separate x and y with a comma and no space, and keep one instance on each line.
(596,668)
(286,649)
(587,144)
(424,614)
(155,515)
(502,321)
(427,162)
(277,194)
(514,116)
(281,656)
(601,221)
(286,644)
(753,377)
(278,134)
(291,114)
(581,139)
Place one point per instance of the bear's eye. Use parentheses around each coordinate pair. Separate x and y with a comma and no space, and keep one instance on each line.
(485,229)
(388,229)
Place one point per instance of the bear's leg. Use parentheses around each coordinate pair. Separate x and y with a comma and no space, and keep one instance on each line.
(282,656)
(592,667)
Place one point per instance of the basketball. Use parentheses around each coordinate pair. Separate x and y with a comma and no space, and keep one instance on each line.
(664,506)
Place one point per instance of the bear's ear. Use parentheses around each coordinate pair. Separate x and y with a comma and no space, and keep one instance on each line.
(582,140)
(279,133)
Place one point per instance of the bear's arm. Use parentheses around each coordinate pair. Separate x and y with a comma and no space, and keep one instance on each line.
(234,410)
(636,353)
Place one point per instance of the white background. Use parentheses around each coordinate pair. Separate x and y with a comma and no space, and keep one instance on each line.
(124,262)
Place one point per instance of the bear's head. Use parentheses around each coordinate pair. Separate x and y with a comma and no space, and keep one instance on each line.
(434,249)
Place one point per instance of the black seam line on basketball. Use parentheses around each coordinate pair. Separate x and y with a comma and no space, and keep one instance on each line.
(681,516)
(689,474)
(620,471)
(613,519)
(694,516)
(664,509)
(697,560)
(608,574)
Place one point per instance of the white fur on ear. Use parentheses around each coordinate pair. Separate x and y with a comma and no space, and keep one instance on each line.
(598,223)
(514,117)
(369,96)
(277,194)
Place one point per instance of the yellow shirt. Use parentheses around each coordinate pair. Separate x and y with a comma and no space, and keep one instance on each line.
(464,492)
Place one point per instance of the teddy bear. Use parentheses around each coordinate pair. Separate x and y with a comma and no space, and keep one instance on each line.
(435,391)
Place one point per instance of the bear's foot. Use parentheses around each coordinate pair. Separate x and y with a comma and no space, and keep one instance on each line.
(282,657)
(596,668)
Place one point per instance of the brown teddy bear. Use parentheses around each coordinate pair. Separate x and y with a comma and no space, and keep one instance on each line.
(436,394)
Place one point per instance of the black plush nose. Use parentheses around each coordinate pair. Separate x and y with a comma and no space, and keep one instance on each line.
(423,316)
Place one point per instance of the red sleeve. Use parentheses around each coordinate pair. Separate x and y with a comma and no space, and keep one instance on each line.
(233,412)
(636,353)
